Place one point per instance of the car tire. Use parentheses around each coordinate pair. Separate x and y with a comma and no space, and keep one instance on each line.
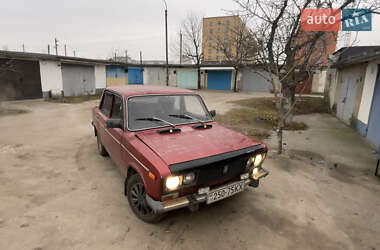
(137,200)
(102,150)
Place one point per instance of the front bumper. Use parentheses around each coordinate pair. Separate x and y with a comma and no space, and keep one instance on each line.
(193,199)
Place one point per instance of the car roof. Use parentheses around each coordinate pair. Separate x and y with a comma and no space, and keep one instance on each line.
(131,90)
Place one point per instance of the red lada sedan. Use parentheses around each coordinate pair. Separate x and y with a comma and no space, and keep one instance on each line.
(170,150)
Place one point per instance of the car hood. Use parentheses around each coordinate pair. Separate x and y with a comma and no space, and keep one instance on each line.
(191,144)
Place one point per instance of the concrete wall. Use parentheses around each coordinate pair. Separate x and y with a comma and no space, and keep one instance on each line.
(172,78)
(319,81)
(332,81)
(366,98)
(51,78)
(100,78)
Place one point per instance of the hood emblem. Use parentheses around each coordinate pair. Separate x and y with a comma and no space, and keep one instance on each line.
(225,169)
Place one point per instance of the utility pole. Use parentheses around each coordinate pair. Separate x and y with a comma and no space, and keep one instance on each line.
(56,46)
(49,49)
(166,35)
(180,47)
(115,57)
(74,53)
(140,58)
(126,56)
(65,51)
(23,48)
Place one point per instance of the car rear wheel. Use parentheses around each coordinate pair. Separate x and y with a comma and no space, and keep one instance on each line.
(137,200)
(102,150)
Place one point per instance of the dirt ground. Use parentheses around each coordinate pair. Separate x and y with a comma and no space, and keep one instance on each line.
(56,192)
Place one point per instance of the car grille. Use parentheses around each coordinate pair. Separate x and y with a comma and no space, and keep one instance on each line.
(221,170)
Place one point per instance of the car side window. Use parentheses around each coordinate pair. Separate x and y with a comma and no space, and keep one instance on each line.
(117,107)
(106,104)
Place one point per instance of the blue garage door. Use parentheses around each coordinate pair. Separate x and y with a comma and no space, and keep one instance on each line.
(373,134)
(219,79)
(135,76)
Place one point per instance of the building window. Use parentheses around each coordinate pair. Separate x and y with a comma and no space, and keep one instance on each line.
(210,44)
(227,22)
(211,23)
(209,57)
(217,57)
(219,23)
(226,37)
(209,51)
(210,38)
(225,58)
(211,31)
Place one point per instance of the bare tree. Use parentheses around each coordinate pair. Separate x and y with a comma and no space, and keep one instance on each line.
(238,46)
(191,29)
(283,48)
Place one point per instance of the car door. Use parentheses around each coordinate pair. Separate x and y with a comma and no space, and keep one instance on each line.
(117,112)
(102,117)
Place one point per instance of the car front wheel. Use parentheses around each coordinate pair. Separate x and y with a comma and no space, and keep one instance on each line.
(137,200)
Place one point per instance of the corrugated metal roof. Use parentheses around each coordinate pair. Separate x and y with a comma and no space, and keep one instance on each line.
(355,55)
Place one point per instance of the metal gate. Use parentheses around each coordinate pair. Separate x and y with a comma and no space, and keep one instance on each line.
(19,79)
(347,97)
(187,79)
(219,79)
(373,134)
(135,76)
(115,75)
(256,80)
(78,80)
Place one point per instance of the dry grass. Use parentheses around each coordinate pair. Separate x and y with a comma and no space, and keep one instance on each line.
(7,111)
(259,115)
(74,99)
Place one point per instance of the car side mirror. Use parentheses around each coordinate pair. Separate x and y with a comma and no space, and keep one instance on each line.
(114,123)
(213,113)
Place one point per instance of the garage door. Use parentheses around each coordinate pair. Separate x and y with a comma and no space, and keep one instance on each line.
(253,80)
(19,80)
(373,133)
(115,75)
(135,76)
(347,97)
(219,79)
(78,80)
(187,79)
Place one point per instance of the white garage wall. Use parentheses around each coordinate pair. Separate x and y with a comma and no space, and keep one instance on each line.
(51,77)
(368,89)
(100,78)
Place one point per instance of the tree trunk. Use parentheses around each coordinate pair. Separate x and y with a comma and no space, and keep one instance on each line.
(235,80)
(289,99)
(280,125)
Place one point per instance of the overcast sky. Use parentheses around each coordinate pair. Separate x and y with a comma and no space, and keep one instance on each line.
(96,28)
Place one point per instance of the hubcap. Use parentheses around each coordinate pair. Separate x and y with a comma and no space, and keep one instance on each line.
(138,196)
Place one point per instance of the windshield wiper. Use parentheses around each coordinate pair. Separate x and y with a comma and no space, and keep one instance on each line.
(155,119)
(184,116)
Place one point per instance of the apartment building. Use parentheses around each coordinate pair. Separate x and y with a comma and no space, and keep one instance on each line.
(217,30)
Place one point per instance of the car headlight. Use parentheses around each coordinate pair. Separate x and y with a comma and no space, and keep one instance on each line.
(188,178)
(256,160)
(173,182)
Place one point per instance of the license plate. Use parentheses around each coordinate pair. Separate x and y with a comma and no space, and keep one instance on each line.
(224,192)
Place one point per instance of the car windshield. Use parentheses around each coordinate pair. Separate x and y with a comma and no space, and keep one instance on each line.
(155,111)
